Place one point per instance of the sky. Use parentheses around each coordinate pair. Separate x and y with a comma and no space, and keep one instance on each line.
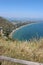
(21,8)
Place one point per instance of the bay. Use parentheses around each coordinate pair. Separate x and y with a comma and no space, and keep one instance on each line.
(29,32)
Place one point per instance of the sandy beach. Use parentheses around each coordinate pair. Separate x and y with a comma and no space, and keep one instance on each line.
(19,28)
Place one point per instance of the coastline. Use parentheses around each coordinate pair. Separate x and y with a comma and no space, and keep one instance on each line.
(19,28)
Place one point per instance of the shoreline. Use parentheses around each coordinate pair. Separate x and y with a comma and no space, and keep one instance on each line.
(19,28)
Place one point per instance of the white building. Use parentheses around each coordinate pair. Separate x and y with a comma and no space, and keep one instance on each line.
(1,31)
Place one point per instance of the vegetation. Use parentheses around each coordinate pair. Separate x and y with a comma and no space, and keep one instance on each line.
(6,25)
(28,50)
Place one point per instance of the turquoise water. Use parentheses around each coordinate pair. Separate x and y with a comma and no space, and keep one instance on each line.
(28,32)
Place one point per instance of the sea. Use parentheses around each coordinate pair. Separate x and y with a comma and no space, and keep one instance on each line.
(28,32)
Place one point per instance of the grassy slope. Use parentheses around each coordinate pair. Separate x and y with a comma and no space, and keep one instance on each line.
(31,50)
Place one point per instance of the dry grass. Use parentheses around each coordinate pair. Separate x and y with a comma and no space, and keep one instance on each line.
(28,50)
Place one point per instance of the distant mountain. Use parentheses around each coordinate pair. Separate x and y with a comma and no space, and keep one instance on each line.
(25,19)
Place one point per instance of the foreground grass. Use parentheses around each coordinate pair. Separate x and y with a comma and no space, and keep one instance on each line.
(27,50)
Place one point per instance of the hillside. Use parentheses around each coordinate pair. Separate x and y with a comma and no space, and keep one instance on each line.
(6,25)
